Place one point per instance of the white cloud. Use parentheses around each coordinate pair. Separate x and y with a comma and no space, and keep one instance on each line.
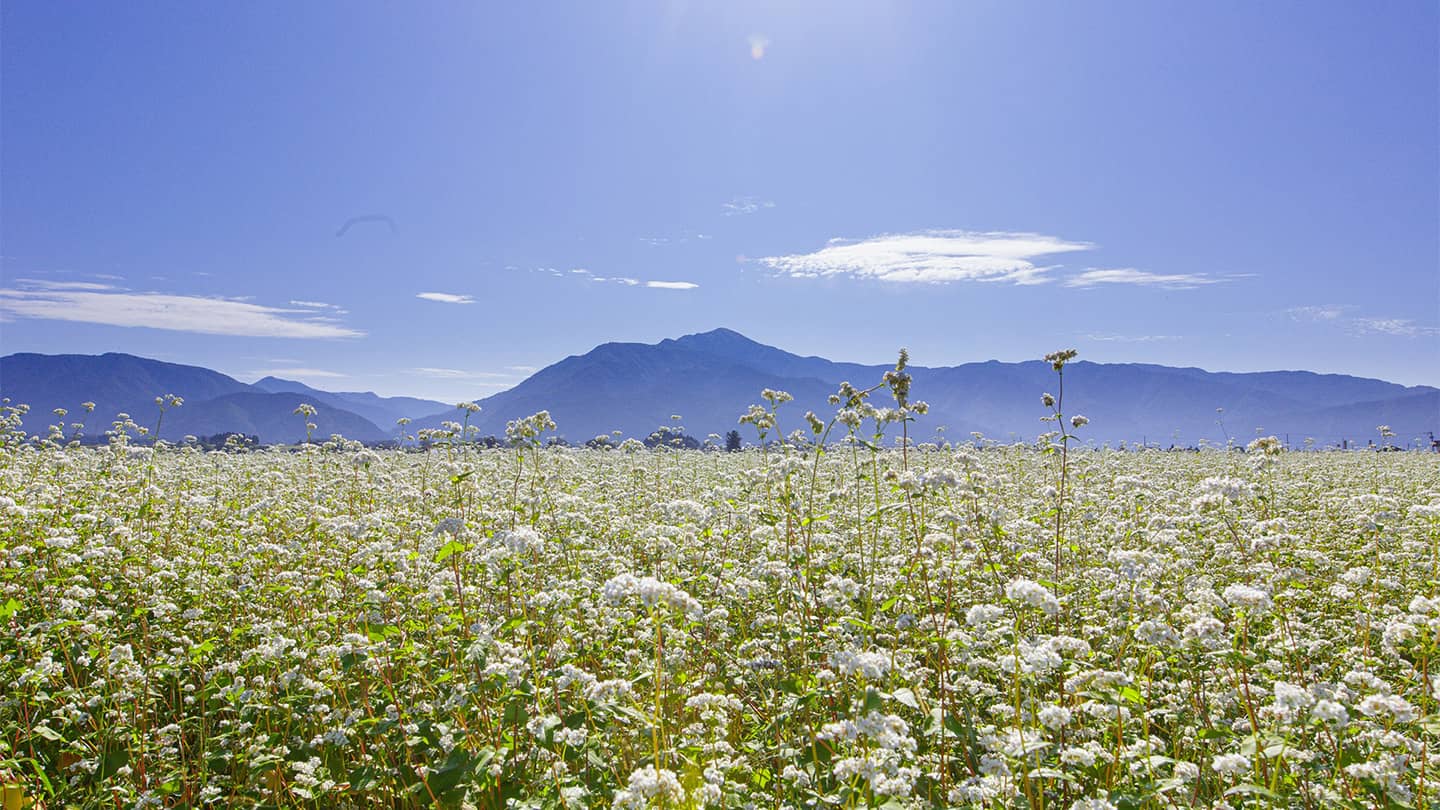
(1106,338)
(1398,327)
(622,280)
(741,206)
(1127,275)
(930,257)
(472,379)
(297,373)
(182,313)
(1326,312)
(522,369)
(458,374)
(40,284)
(446,298)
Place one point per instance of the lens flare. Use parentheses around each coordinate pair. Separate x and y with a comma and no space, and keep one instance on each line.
(758,45)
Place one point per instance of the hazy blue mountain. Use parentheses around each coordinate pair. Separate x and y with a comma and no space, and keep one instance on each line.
(269,416)
(116,383)
(383,411)
(712,377)
(122,383)
(635,388)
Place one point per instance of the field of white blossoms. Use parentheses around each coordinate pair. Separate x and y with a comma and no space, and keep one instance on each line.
(1034,625)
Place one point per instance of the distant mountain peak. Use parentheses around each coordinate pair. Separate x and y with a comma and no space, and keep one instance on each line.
(725,342)
(719,335)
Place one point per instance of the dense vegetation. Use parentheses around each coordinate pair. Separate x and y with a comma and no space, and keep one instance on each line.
(818,622)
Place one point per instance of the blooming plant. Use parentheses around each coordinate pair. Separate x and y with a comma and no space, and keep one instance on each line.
(819,621)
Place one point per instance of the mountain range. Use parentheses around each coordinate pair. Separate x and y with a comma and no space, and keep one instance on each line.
(709,379)
(213,402)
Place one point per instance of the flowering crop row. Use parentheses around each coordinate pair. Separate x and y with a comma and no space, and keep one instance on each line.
(802,624)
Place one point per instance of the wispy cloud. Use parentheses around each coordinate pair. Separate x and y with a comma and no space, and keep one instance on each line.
(446,298)
(41,284)
(458,373)
(930,257)
(1107,338)
(1361,325)
(1324,312)
(679,237)
(81,302)
(1128,275)
(473,379)
(313,304)
(441,373)
(624,281)
(297,373)
(741,206)
(1398,327)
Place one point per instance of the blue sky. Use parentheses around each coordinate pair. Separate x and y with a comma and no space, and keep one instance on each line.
(1236,186)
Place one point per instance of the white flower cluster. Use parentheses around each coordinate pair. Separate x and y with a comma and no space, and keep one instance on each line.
(647,785)
(865,665)
(1032,593)
(1217,491)
(651,593)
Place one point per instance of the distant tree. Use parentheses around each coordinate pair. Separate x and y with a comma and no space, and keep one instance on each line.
(228,441)
(672,437)
(732,441)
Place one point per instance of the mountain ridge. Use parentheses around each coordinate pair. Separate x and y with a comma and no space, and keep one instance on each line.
(996,398)
(710,378)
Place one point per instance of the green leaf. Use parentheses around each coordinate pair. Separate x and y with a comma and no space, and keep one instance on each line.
(112,762)
(449,550)
(48,733)
(873,700)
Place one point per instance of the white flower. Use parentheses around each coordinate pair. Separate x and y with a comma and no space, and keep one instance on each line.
(522,540)
(1231,764)
(651,593)
(1054,717)
(868,666)
(1330,712)
(648,783)
(1033,594)
(1244,596)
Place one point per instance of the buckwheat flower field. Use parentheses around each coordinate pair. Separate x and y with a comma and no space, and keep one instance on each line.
(824,620)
